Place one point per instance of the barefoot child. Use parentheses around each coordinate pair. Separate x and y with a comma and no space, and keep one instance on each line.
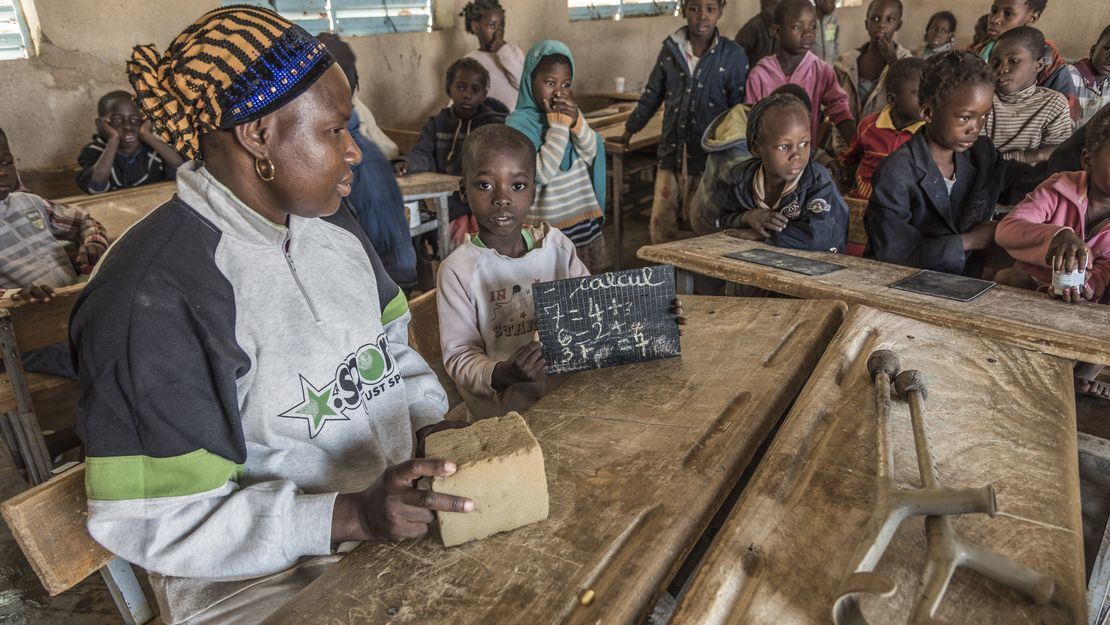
(783,197)
(795,30)
(439,148)
(882,133)
(570,156)
(862,72)
(484,291)
(933,198)
(124,152)
(1090,77)
(940,34)
(1027,121)
(697,76)
(1064,225)
(485,19)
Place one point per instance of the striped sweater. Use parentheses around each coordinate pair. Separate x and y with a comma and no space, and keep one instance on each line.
(1027,120)
(566,199)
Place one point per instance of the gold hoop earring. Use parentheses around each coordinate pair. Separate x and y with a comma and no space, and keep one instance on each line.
(264,167)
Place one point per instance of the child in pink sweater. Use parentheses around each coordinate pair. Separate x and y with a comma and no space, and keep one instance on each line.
(795,29)
(1065,225)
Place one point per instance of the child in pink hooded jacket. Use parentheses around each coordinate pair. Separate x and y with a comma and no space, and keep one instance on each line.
(1065,224)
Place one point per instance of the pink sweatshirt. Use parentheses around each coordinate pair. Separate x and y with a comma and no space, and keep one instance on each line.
(486,314)
(1060,202)
(817,77)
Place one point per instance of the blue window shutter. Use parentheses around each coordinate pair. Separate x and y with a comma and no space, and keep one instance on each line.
(15,40)
(353,17)
(619,9)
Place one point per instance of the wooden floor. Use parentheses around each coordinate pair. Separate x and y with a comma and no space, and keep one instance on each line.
(24,602)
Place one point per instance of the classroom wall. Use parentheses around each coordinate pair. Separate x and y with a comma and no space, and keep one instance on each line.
(50,100)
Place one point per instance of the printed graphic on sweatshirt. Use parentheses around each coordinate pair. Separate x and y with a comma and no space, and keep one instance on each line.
(512,312)
(362,376)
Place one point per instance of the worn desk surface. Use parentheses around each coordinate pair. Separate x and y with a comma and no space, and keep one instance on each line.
(638,460)
(996,414)
(647,137)
(427,184)
(119,210)
(1021,317)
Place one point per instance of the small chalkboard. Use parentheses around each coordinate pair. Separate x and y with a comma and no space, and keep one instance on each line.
(608,319)
(944,285)
(778,260)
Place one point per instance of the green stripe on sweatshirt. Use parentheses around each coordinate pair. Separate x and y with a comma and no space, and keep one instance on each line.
(116,478)
(394,309)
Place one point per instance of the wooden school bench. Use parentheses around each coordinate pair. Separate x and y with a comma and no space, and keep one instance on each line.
(1024,318)
(119,210)
(616,152)
(997,414)
(435,188)
(638,460)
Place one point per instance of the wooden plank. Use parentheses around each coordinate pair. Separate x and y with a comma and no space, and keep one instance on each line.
(996,414)
(647,137)
(42,323)
(427,183)
(638,460)
(1025,318)
(48,522)
(119,210)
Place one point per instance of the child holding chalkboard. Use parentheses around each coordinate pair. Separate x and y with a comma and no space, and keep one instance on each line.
(484,295)
(783,197)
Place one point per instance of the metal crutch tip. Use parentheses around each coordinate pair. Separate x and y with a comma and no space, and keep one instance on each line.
(883,361)
(909,381)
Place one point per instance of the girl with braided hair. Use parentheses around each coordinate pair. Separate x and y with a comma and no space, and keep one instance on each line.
(485,19)
(249,398)
(933,198)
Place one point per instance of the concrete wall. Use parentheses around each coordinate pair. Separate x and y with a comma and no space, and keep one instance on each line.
(50,102)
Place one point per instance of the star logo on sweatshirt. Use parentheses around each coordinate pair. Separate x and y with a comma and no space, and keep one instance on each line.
(315,407)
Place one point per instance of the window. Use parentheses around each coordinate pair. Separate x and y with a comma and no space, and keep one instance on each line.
(618,9)
(352,17)
(15,39)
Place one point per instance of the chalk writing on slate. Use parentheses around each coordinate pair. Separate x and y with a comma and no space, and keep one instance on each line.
(607,319)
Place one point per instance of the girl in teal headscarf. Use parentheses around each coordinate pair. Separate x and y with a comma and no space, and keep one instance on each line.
(570,164)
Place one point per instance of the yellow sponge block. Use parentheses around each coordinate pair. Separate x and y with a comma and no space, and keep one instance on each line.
(500,467)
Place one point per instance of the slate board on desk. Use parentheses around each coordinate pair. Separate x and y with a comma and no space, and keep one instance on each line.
(607,319)
(944,285)
(778,260)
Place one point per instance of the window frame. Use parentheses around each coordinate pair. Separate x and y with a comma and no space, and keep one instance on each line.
(621,9)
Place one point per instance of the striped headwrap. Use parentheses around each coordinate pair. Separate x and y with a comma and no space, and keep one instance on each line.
(233,65)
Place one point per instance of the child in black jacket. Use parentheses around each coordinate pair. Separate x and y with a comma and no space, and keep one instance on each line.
(782,196)
(933,198)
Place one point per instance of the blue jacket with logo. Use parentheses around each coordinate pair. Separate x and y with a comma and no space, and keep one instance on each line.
(817,212)
(690,103)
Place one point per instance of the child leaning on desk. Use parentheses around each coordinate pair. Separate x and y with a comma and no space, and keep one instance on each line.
(487,319)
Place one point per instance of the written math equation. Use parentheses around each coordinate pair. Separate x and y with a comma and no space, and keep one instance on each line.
(608,319)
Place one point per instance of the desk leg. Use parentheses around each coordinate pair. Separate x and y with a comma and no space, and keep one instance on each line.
(683,281)
(443,226)
(618,186)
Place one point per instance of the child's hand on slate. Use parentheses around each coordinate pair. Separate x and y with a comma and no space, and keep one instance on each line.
(764,222)
(525,365)
(676,310)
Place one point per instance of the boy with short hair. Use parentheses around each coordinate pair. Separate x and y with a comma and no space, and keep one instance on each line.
(755,37)
(439,148)
(827,44)
(862,71)
(1027,121)
(882,133)
(484,288)
(940,34)
(32,235)
(124,152)
(1090,77)
(1006,15)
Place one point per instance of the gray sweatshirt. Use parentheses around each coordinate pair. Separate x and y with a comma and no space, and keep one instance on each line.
(235,376)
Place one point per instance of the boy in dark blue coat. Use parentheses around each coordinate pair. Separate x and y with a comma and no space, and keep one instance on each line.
(698,76)
(782,197)
(933,198)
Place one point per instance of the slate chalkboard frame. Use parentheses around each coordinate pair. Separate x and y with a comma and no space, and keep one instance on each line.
(634,322)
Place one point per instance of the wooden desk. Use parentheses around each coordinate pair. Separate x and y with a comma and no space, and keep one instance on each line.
(638,460)
(646,138)
(119,210)
(435,187)
(996,413)
(1025,318)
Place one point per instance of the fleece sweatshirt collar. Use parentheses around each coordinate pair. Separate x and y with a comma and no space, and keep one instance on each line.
(215,202)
